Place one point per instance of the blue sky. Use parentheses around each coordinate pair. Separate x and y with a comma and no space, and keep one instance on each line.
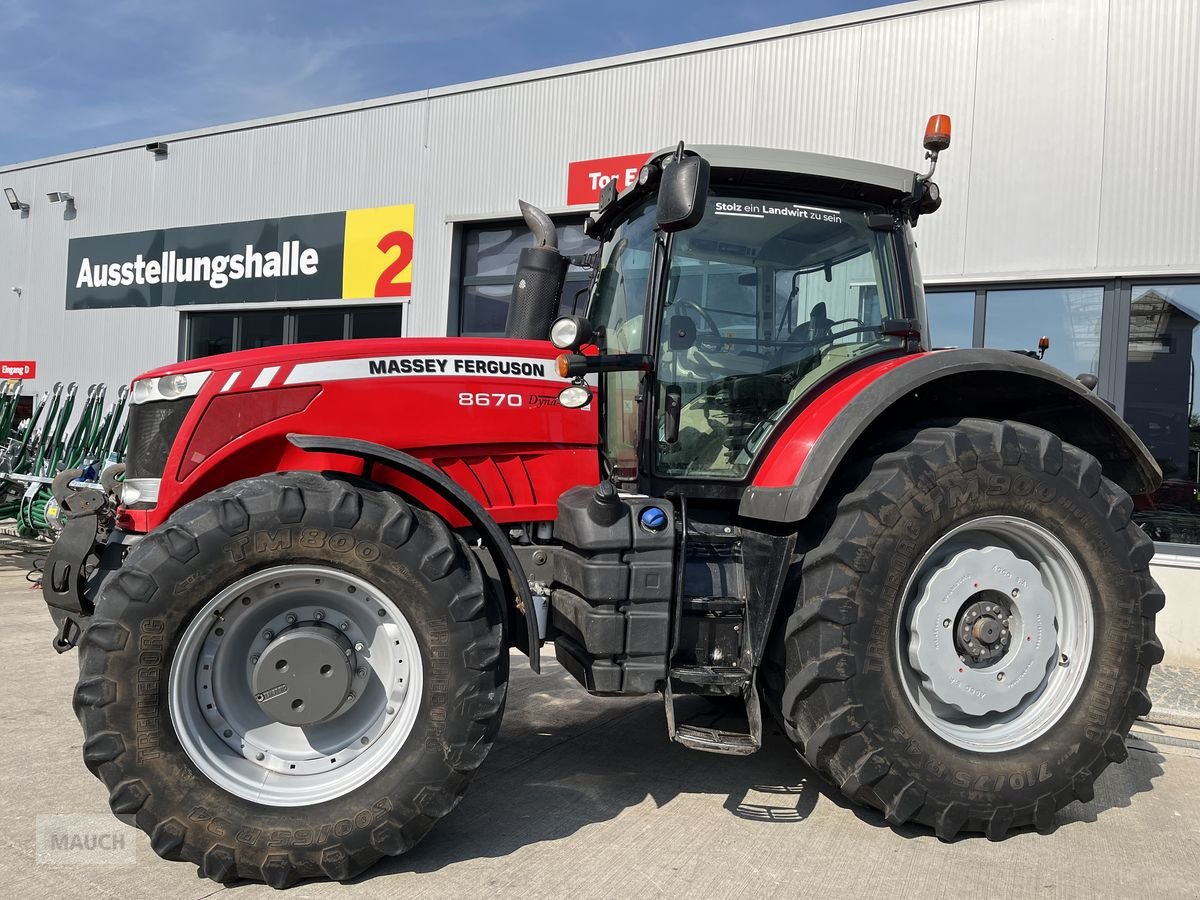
(77,74)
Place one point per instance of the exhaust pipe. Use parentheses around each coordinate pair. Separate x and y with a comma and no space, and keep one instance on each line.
(542,226)
(537,289)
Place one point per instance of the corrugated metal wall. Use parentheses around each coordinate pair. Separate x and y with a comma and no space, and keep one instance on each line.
(1075,153)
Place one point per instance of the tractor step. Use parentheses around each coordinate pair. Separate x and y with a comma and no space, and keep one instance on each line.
(713,740)
(726,676)
(717,740)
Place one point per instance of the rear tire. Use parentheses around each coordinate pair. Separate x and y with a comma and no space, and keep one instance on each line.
(147,658)
(877,708)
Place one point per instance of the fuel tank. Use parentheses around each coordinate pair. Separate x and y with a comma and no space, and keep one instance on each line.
(483,410)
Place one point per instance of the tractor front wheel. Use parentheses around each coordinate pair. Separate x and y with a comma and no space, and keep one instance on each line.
(294,676)
(974,630)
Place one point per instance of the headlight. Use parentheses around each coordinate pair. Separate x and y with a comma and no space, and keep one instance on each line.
(168,387)
(570,332)
(172,386)
(574,397)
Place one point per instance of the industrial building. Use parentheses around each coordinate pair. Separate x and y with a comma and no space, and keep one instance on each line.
(1071,198)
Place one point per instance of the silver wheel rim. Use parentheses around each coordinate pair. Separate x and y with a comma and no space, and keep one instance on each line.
(217,713)
(1022,576)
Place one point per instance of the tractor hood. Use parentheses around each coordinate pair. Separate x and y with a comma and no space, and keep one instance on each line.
(483,410)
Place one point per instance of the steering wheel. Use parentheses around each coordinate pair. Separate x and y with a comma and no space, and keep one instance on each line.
(714,337)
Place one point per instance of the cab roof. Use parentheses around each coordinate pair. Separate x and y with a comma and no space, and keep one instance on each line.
(733,156)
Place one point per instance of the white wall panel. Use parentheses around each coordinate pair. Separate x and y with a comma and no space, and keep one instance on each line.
(913,67)
(1150,207)
(1038,136)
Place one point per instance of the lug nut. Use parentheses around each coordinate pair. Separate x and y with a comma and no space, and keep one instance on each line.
(254,659)
(345,626)
(291,619)
(350,696)
(360,672)
(359,646)
(268,634)
(319,615)
(945,623)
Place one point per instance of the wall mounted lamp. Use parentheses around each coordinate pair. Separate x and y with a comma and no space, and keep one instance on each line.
(11,196)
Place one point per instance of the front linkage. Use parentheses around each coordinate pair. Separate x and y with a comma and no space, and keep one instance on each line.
(70,578)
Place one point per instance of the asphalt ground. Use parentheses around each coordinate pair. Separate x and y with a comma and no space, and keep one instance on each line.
(585,797)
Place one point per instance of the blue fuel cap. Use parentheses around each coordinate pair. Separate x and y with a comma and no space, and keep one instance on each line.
(653,518)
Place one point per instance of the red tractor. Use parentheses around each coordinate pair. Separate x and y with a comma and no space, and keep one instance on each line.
(745,474)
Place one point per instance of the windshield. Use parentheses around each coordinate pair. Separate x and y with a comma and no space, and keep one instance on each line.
(764,298)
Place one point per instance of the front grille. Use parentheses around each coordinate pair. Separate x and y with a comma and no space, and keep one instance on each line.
(152,430)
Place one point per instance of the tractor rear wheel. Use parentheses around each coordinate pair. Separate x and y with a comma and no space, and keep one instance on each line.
(293,677)
(974,630)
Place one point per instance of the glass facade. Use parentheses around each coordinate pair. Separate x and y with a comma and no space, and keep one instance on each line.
(209,333)
(490,252)
(1070,316)
(1160,404)
(951,318)
(1149,373)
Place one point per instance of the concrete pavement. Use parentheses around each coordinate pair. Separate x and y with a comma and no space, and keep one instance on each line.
(585,797)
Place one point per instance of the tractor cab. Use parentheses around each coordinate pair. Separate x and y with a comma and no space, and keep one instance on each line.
(731,283)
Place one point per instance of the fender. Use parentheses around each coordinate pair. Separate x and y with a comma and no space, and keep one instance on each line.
(900,393)
(493,539)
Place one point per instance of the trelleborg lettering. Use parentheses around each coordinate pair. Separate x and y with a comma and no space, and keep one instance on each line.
(218,270)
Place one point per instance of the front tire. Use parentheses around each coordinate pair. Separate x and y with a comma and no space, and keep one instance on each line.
(330,769)
(974,630)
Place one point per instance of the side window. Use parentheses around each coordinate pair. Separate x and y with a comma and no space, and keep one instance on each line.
(210,333)
(1070,316)
(951,318)
(846,291)
(489,263)
(1161,405)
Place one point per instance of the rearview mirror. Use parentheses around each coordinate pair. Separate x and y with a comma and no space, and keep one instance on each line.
(682,194)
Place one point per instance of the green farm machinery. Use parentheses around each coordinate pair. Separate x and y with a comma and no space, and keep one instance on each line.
(53,445)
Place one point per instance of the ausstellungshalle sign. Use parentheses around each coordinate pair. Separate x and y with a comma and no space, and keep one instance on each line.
(354,254)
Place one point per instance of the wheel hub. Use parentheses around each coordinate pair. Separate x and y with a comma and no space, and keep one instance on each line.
(982,631)
(305,675)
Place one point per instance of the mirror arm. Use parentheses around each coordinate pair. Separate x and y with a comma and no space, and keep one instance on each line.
(575,364)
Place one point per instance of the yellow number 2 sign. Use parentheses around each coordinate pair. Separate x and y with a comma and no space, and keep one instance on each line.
(379,252)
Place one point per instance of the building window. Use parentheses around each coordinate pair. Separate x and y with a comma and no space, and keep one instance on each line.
(1069,316)
(951,318)
(489,264)
(209,333)
(1160,404)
